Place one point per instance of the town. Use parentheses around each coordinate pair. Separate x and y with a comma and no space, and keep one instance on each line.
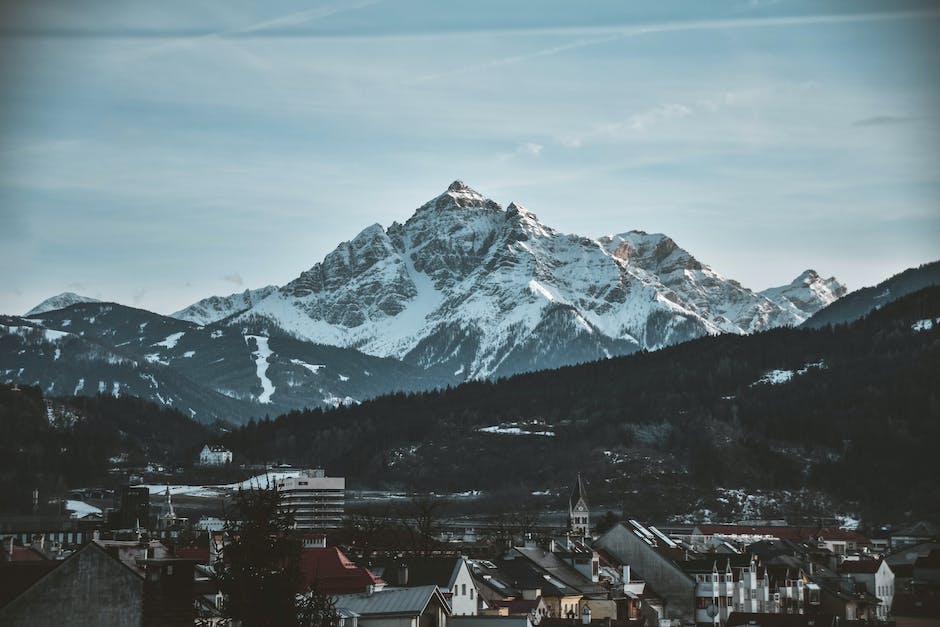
(147,563)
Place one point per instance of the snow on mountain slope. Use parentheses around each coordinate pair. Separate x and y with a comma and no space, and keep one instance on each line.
(806,294)
(60,301)
(209,372)
(215,308)
(466,288)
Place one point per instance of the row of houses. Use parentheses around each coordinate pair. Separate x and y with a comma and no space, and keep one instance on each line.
(633,575)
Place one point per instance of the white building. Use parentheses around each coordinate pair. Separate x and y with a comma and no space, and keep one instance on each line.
(316,501)
(878,579)
(215,455)
(718,593)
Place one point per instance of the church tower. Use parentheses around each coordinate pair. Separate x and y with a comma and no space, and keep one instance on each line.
(578,512)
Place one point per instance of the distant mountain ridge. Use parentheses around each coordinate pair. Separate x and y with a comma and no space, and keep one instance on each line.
(865,300)
(207,372)
(60,301)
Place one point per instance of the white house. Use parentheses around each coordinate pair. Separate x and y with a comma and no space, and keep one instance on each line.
(450,574)
(878,579)
(215,455)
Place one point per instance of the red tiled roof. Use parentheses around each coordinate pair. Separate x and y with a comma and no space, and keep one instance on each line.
(331,572)
(842,534)
(860,566)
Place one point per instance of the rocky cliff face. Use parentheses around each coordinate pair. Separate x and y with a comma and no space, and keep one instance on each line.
(467,289)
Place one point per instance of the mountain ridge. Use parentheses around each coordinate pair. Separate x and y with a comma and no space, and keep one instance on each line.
(463,284)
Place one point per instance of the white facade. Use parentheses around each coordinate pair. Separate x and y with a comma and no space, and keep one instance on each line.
(879,583)
(215,455)
(464,599)
(718,594)
(317,501)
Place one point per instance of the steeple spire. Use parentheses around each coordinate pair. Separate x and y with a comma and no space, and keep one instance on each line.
(578,509)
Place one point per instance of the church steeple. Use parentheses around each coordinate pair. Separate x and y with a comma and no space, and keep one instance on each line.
(578,509)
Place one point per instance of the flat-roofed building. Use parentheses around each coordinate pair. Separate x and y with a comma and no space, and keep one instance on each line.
(317,501)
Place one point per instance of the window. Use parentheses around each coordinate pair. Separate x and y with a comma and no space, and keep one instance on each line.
(471,594)
(463,589)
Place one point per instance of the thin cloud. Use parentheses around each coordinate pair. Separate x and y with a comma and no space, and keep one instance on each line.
(547,52)
(614,33)
(234,278)
(884,120)
(267,27)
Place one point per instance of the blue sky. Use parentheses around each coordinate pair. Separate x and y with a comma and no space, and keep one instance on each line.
(157,153)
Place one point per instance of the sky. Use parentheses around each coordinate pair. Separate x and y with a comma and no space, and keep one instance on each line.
(154,154)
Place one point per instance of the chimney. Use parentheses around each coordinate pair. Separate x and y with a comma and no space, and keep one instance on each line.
(370,589)
(586,615)
(626,574)
(10,549)
(403,574)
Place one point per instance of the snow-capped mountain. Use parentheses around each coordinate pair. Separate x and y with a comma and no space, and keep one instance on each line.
(463,289)
(467,289)
(60,301)
(207,372)
(215,308)
(807,294)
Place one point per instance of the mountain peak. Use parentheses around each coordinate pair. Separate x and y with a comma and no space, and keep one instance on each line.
(60,301)
(458,186)
(806,294)
(807,276)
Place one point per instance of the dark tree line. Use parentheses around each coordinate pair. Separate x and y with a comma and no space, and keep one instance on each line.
(860,422)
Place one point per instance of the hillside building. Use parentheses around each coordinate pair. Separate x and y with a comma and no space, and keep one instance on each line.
(215,455)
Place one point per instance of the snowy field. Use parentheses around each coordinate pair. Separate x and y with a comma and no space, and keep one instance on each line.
(216,491)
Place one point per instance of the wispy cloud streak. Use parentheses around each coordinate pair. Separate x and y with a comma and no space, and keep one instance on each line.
(615,33)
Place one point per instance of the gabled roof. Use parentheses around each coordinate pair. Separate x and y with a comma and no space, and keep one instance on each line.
(552,565)
(331,572)
(524,575)
(15,577)
(720,562)
(860,567)
(50,577)
(422,571)
(391,602)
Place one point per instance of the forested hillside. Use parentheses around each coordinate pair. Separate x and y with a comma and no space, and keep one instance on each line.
(68,442)
(851,411)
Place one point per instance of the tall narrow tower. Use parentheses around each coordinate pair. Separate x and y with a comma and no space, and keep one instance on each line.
(578,512)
